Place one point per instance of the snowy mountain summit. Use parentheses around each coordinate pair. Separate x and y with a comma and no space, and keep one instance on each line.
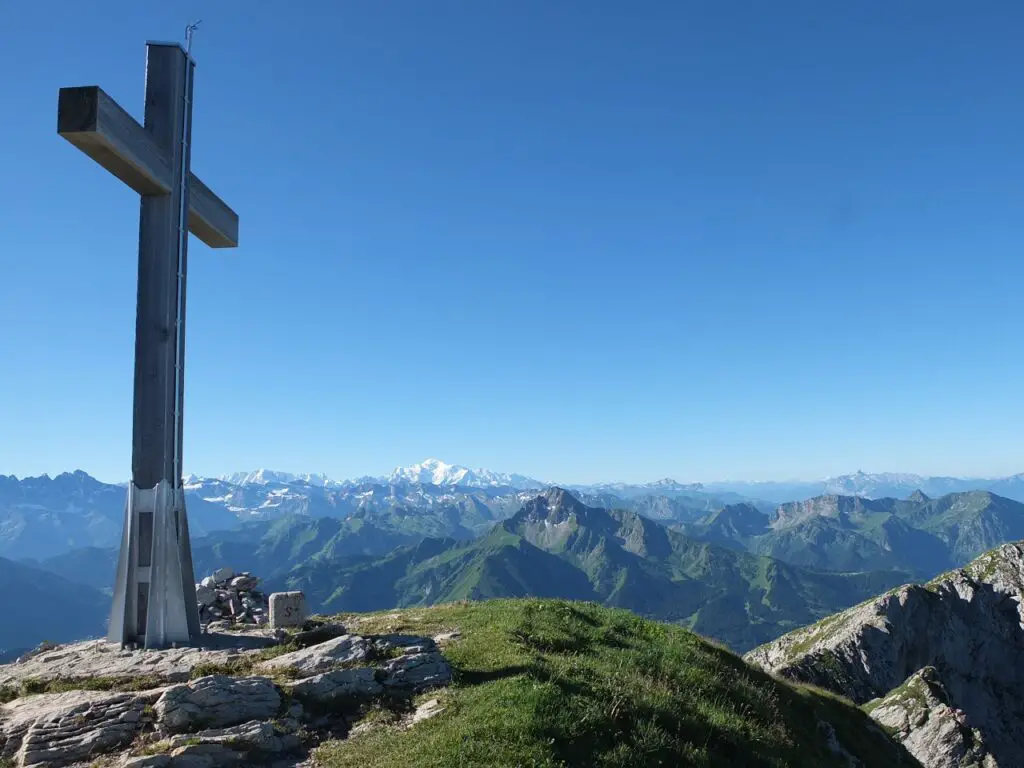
(269,476)
(436,472)
(428,472)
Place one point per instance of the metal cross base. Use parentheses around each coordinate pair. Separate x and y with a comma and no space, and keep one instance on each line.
(154,593)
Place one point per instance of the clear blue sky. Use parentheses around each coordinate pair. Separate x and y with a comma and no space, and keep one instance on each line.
(579,240)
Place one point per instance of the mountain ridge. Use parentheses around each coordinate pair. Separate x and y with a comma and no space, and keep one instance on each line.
(938,663)
(47,607)
(556,546)
(921,534)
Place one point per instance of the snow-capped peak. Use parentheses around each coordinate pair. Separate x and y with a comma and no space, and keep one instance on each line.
(668,484)
(437,472)
(267,476)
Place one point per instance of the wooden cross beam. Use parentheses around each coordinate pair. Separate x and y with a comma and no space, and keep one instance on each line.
(97,125)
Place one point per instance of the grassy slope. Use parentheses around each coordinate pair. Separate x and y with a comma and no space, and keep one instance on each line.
(553,683)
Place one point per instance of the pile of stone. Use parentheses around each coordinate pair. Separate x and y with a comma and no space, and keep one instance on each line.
(232,598)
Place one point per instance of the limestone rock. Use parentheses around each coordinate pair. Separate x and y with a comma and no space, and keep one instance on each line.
(217,701)
(446,637)
(346,649)
(99,658)
(316,635)
(968,624)
(427,710)
(251,736)
(233,598)
(405,643)
(57,729)
(338,686)
(147,761)
(938,735)
(43,647)
(240,745)
(417,672)
(245,582)
(204,756)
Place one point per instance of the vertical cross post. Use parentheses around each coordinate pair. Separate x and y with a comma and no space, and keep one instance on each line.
(154,598)
(155,594)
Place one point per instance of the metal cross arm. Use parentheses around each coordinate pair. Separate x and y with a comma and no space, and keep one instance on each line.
(95,123)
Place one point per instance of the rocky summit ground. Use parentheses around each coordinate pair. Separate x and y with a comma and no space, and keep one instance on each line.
(242,698)
(939,665)
(498,683)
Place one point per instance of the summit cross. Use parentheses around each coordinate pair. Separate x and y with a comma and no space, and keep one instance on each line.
(154,601)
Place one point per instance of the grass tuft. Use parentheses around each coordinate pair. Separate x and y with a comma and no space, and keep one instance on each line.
(32,685)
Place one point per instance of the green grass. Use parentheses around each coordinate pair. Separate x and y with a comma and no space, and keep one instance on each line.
(156,748)
(549,683)
(912,695)
(31,685)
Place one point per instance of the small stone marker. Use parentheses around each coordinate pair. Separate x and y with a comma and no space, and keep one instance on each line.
(288,609)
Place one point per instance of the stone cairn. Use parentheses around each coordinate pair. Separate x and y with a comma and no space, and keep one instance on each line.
(231,598)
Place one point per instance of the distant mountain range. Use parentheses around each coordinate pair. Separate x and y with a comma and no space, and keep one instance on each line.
(734,573)
(872,486)
(38,606)
(43,517)
(868,485)
(555,546)
(919,534)
(427,472)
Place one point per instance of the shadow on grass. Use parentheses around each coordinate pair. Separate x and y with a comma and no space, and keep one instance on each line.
(481,676)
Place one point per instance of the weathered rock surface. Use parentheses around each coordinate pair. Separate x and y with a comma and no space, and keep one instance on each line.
(230,598)
(56,729)
(319,634)
(98,658)
(417,672)
(919,714)
(339,686)
(251,736)
(347,649)
(216,720)
(966,625)
(244,744)
(419,667)
(426,710)
(217,701)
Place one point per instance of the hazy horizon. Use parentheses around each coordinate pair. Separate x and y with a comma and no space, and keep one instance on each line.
(540,478)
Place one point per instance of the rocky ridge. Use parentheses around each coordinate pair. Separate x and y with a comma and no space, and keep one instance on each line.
(246,698)
(940,665)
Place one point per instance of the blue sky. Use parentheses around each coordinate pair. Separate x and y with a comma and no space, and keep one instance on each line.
(579,240)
